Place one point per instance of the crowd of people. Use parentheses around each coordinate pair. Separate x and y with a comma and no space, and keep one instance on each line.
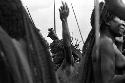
(108,66)
(26,57)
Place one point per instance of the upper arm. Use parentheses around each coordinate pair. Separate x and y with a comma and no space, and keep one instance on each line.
(66,33)
(120,59)
(107,60)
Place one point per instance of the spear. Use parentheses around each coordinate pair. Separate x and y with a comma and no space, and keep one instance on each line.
(97,34)
(77,23)
(54,18)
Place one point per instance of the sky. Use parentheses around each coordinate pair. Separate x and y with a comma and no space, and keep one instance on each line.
(42,12)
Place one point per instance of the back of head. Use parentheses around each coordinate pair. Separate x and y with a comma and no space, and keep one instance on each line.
(52,34)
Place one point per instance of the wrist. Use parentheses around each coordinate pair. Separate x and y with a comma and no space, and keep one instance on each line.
(64,20)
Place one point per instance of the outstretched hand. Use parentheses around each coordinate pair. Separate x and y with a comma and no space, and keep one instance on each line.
(64,11)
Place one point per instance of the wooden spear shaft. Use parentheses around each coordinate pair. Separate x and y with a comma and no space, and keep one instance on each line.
(77,23)
(97,27)
(54,18)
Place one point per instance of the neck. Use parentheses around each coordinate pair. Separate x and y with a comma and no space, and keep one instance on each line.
(107,32)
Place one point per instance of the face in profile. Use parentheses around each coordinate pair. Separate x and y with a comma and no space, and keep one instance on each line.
(117,26)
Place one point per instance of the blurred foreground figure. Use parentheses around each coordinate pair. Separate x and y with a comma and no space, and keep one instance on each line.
(24,53)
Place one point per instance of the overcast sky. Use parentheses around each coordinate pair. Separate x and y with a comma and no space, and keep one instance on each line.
(42,12)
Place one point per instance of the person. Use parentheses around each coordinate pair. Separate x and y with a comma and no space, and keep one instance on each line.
(52,34)
(57,49)
(119,43)
(68,61)
(24,54)
(66,70)
(110,57)
(123,51)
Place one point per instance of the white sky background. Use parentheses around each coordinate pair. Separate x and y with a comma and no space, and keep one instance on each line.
(42,12)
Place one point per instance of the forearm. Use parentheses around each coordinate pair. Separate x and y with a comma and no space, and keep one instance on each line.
(66,33)
(64,12)
(66,41)
(118,79)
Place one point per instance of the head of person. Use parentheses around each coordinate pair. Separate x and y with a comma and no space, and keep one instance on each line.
(116,26)
(52,34)
(108,21)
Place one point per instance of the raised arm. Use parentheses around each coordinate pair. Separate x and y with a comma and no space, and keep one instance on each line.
(64,12)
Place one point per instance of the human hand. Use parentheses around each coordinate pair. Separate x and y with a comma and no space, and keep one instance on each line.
(119,39)
(64,11)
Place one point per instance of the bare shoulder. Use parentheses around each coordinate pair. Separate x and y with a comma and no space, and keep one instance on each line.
(105,41)
(106,44)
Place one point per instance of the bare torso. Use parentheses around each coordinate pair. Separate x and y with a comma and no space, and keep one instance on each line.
(110,58)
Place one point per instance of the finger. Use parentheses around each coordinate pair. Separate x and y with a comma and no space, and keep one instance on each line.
(59,10)
(68,10)
(66,6)
(61,7)
(63,3)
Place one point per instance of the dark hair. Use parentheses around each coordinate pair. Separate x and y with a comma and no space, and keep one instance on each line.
(105,16)
(101,5)
(52,34)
